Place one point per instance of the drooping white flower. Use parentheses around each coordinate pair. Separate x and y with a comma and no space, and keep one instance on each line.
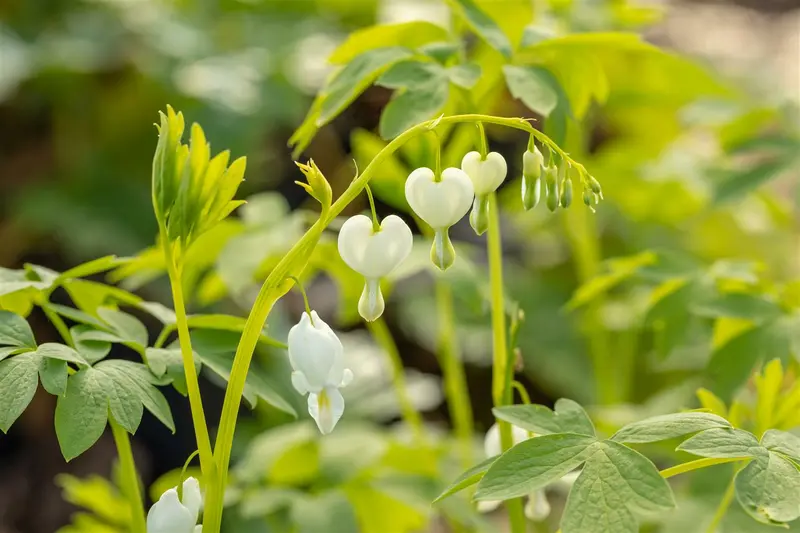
(440,203)
(374,254)
(486,174)
(171,514)
(531,177)
(317,359)
(537,508)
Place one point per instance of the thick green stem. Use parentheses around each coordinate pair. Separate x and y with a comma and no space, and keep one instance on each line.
(276,286)
(192,384)
(455,382)
(59,324)
(500,347)
(129,477)
(383,337)
(696,465)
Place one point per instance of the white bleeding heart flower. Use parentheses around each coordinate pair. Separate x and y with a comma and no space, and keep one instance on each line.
(486,174)
(172,514)
(440,203)
(374,254)
(531,178)
(317,359)
(537,508)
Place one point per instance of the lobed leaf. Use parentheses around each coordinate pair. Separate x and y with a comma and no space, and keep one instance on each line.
(722,442)
(484,26)
(535,86)
(568,417)
(467,479)
(19,377)
(409,34)
(769,489)
(15,331)
(669,426)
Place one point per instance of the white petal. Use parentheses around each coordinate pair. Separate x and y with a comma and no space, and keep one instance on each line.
(440,204)
(518,434)
(353,237)
(198,529)
(326,408)
(313,350)
(537,508)
(347,378)
(486,174)
(491,442)
(374,254)
(371,304)
(532,163)
(192,498)
(487,506)
(300,383)
(168,515)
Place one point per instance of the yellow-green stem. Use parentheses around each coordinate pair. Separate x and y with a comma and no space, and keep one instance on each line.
(455,382)
(192,384)
(383,337)
(276,286)
(722,508)
(128,477)
(59,324)
(500,347)
(697,464)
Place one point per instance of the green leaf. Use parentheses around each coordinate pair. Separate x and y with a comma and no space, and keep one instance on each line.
(19,377)
(53,373)
(129,380)
(769,489)
(412,106)
(15,331)
(737,305)
(62,352)
(467,479)
(169,362)
(722,442)
(81,413)
(534,463)
(92,344)
(354,78)
(465,75)
(618,270)
(409,34)
(736,183)
(669,426)
(533,35)
(782,442)
(95,266)
(76,315)
(484,26)
(569,417)
(126,326)
(411,74)
(535,86)
(615,482)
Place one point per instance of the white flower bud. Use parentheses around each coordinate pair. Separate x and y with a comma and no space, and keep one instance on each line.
(532,163)
(171,515)
(439,203)
(486,174)
(317,358)
(374,254)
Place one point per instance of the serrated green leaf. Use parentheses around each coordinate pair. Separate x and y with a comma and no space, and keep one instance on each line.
(81,413)
(413,105)
(465,75)
(535,86)
(126,326)
(467,479)
(484,26)
(769,489)
(53,373)
(669,426)
(532,464)
(411,74)
(782,442)
(19,377)
(722,442)
(409,34)
(568,417)
(135,380)
(15,331)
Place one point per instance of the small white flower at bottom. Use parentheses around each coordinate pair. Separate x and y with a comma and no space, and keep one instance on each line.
(170,514)
(317,359)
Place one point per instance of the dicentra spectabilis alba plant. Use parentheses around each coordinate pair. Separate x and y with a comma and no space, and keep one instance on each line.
(440,200)
(374,250)
(174,513)
(317,359)
(487,173)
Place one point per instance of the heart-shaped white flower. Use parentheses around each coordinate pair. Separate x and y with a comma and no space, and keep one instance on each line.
(486,174)
(374,254)
(439,203)
(170,514)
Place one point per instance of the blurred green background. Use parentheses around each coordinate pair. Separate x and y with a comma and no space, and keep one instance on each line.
(698,157)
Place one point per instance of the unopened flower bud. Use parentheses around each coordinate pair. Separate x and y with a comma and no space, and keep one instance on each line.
(566,193)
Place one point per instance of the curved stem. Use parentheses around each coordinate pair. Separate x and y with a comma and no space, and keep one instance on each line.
(192,384)
(129,478)
(523,394)
(697,464)
(376,225)
(455,383)
(483,144)
(500,347)
(275,286)
(162,337)
(380,332)
(59,324)
(305,296)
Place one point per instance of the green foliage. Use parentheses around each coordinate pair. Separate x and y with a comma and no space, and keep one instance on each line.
(568,417)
